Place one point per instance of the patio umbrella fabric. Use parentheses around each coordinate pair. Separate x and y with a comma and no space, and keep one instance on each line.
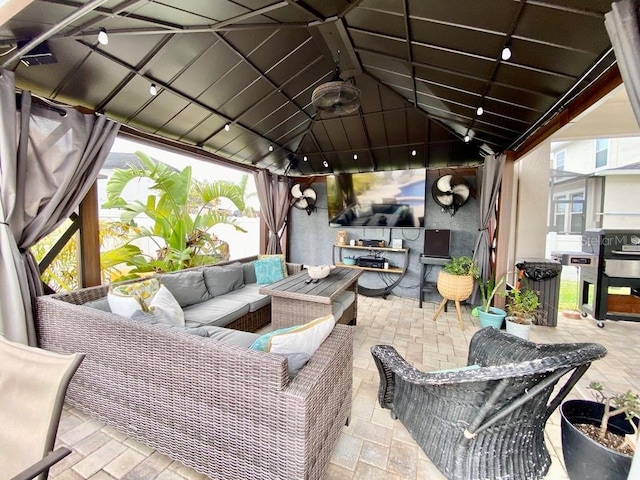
(47,166)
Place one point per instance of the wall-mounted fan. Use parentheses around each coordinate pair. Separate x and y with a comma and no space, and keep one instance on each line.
(303,199)
(450,192)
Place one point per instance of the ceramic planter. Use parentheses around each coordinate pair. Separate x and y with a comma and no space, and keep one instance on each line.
(493,318)
(518,329)
(584,458)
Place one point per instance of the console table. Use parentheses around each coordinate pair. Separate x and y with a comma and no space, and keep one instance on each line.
(425,260)
(294,300)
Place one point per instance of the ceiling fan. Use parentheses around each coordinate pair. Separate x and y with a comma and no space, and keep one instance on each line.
(303,199)
(450,192)
(338,96)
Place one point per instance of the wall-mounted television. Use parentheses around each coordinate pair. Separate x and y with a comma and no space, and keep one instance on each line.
(391,199)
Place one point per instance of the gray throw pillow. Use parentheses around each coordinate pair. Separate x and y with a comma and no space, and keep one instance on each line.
(223,279)
(295,362)
(187,287)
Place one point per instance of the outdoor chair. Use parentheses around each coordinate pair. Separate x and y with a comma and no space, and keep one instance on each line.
(485,421)
(33,383)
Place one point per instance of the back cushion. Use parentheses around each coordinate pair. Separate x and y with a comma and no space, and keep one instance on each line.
(187,287)
(249,272)
(223,279)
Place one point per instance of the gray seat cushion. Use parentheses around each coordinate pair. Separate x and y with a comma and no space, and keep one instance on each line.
(217,312)
(249,293)
(342,301)
(223,279)
(233,337)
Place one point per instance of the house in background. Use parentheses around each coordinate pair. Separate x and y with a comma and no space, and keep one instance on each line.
(592,185)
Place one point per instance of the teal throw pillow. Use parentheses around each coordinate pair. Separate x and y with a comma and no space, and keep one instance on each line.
(268,270)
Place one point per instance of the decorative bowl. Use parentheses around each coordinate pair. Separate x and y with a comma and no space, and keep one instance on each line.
(349,260)
(319,271)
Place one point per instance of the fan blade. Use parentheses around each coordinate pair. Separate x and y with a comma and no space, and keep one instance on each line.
(445,200)
(296,191)
(462,191)
(301,203)
(444,183)
(310,195)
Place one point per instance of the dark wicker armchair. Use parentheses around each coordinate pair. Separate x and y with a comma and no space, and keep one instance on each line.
(485,423)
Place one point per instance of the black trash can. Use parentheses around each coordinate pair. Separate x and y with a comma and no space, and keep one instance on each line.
(543,276)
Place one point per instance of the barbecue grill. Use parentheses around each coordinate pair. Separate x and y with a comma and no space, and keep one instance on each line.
(616,264)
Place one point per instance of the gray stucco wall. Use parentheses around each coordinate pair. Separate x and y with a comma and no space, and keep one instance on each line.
(311,240)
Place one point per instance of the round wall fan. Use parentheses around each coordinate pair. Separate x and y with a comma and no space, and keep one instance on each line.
(450,192)
(303,199)
(337,96)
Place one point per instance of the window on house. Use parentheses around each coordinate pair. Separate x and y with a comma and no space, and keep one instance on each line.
(568,214)
(560,158)
(602,152)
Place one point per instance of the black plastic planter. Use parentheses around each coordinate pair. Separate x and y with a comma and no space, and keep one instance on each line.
(584,458)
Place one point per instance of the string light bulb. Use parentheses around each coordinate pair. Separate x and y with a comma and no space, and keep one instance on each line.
(103,38)
(271,148)
(414,153)
(467,138)
(506,53)
(304,158)
(355,156)
(479,111)
(326,165)
(227,127)
(153,90)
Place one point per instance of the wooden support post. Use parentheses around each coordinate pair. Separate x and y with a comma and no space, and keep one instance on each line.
(89,252)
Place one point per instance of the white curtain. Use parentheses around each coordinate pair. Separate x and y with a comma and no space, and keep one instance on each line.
(273,195)
(623,28)
(490,188)
(49,159)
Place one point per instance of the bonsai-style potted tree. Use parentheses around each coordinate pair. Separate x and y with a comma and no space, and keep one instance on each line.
(594,434)
(521,305)
(490,316)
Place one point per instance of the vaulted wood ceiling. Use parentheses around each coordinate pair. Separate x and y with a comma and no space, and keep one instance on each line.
(423,67)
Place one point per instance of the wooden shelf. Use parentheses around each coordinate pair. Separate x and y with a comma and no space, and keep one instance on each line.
(382,249)
(371,269)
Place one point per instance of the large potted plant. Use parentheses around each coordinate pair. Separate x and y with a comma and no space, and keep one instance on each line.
(595,443)
(455,280)
(490,316)
(521,305)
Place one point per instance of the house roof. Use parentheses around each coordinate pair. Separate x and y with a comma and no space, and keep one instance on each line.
(423,68)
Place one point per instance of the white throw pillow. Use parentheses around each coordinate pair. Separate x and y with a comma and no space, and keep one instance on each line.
(303,338)
(164,306)
(123,305)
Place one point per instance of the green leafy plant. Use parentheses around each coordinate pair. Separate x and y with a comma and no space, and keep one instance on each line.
(182,211)
(627,403)
(488,289)
(461,266)
(521,304)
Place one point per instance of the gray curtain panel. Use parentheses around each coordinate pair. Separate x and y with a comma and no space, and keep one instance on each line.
(491,180)
(273,195)
(47,166)
(623,28)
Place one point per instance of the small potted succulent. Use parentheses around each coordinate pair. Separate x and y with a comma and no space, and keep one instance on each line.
(490,316)
(595,434)
(521,306)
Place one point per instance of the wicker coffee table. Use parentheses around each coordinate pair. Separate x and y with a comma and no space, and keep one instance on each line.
(294,300)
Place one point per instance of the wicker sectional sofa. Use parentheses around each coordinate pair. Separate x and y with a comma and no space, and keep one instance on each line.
(225,410)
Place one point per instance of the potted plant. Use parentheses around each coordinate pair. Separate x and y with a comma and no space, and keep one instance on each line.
(521,306)
(490,316)
(455,280)
(594,442)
